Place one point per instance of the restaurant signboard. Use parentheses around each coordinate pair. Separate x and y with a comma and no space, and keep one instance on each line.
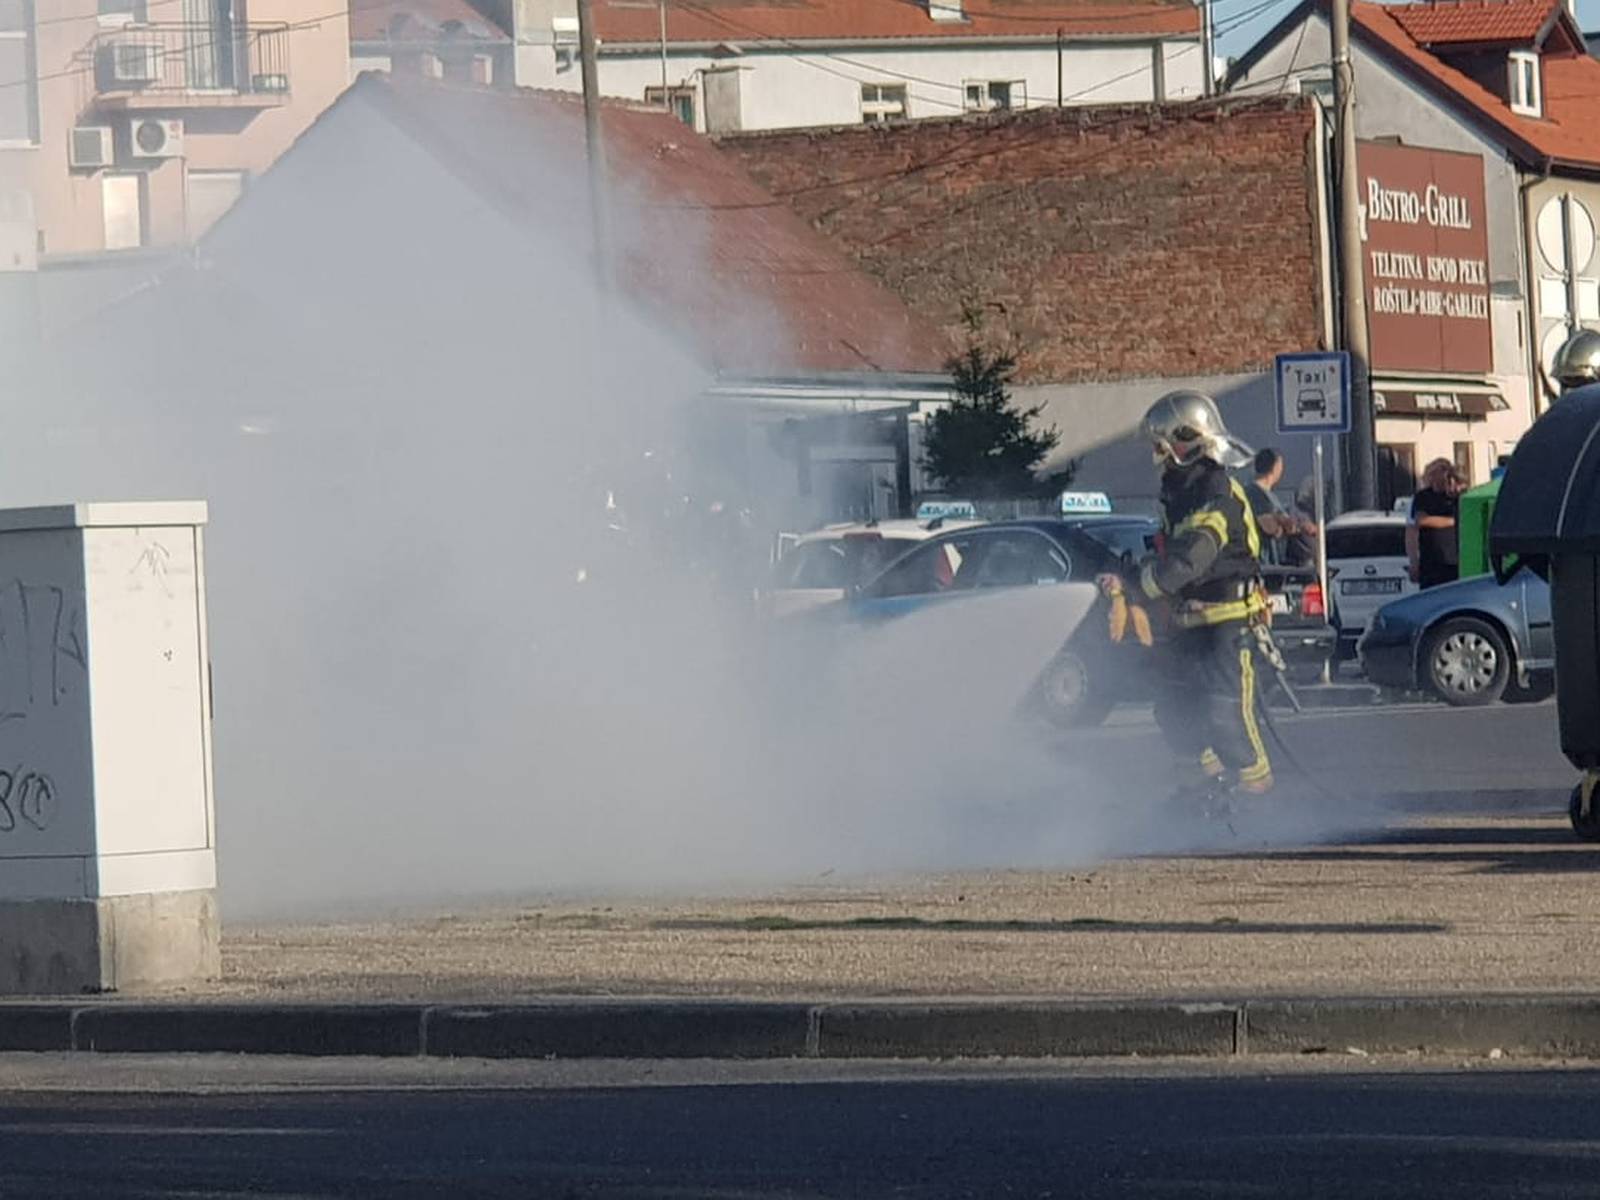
(1425,258)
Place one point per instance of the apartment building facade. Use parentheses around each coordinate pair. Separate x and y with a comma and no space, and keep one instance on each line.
(132,125)
(780,64)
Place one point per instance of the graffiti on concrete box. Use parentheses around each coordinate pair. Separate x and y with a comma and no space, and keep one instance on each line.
(42,648)
(26,797)
(43,661)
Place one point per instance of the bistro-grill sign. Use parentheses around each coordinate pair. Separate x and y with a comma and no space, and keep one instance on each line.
(1426,259)
(1408,208)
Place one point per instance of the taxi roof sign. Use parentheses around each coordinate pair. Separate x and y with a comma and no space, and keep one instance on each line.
(1085,502)
(934,510)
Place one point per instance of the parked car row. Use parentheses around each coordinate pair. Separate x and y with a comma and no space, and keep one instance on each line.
(877,572)
(1472,642)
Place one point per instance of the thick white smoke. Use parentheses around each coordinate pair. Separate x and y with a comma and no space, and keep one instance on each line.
(408,414)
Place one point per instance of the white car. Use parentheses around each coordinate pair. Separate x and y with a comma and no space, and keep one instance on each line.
(822,567)
(1367,568)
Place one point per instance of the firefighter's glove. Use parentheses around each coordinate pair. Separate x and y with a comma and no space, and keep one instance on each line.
(1122,615)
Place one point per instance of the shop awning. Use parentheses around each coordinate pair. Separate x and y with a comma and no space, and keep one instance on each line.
(1454,400)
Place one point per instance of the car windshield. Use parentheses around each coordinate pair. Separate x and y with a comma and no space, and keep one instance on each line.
(981,558)
(1132,538)
(837,563)
(1385,540)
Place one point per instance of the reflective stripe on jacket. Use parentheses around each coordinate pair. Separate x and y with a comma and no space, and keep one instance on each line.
(1211,550)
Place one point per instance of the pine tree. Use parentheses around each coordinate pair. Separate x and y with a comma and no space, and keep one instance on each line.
(984,446)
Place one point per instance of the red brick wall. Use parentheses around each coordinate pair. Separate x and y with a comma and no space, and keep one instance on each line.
(1113,243)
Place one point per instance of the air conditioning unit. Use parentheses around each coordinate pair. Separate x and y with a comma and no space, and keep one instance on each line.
(90,147)
(155,137)
(133,64)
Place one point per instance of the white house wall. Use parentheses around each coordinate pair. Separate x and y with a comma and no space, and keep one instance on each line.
(793,88)
(1389,105)
(1099,422)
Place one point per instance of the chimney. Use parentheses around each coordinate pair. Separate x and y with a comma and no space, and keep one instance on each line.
(945,10)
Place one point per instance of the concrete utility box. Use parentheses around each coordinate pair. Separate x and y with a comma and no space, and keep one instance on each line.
(107,831)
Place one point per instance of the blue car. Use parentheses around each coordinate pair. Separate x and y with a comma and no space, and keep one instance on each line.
(1088,675)
(1470,642)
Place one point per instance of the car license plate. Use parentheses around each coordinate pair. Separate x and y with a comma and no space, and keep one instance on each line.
(1279,602)
(1369,587)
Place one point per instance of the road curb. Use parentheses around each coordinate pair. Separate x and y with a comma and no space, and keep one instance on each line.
(1537,1026)
(1549,1027)
(978,1029)
(678,1029)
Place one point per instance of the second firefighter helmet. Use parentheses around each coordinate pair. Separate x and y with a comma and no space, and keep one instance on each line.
(1578,361)
(1184,426)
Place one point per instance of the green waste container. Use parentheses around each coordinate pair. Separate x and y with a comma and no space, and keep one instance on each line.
(1472,527)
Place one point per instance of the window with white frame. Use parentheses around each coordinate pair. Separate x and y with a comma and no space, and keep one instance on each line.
(681,100)
(19,77)
(1525,92)
(1319,84)
(882,102)
(995,95)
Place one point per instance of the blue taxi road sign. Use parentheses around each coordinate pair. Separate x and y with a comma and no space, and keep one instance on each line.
(1313,392)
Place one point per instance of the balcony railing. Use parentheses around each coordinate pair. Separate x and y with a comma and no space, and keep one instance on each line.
(171,65)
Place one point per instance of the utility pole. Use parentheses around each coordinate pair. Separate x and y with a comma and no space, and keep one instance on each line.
(666,93)
(1208,47)
(1061,75)
(1361,449)
(594,144)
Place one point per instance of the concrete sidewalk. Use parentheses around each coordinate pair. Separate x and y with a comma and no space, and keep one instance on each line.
(1455,912)
(1441,935)
(1434,906)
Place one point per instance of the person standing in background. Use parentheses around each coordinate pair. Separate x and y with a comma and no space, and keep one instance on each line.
(1278,526)
(1431,540)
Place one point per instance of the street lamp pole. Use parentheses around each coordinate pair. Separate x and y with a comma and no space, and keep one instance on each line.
(594,144)
(1362,460)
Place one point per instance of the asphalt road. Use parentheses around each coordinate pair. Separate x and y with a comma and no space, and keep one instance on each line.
(1050,1132)
(1505,757)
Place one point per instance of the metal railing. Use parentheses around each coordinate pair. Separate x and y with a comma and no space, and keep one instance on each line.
(191,59)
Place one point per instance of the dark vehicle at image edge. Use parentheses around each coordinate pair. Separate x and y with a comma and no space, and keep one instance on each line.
(1470,642)
(1088,675)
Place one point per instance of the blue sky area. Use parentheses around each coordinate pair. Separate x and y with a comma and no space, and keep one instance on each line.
(1236,33)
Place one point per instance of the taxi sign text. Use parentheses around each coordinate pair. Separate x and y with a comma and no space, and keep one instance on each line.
(1085,502)
(933,510)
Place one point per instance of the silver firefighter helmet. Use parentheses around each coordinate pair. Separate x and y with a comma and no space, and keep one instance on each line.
(1184,426)
(1577,363)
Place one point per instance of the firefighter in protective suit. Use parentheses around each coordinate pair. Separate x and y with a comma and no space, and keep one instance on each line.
(1206,582)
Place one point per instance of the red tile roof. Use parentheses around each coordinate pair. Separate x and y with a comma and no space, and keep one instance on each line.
(1569,131)
(421,20)
(746,21)
(1454,22)
(713,256)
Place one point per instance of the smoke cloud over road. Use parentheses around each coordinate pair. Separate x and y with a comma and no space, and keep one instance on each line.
(467,639)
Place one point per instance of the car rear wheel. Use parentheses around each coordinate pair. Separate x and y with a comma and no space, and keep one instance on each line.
(1466,662)
(1067,695)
